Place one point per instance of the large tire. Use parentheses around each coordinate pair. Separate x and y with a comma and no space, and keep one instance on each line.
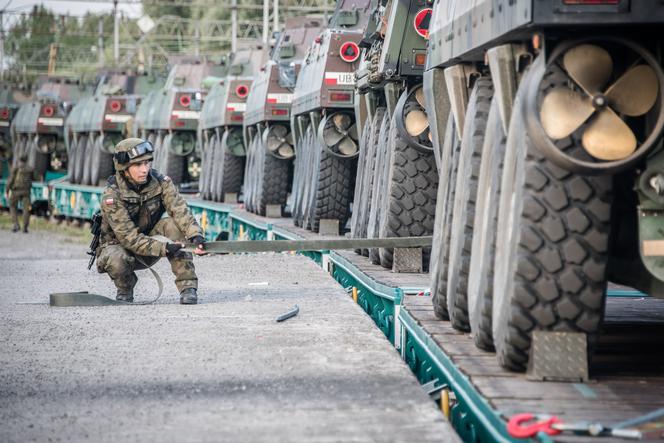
(233,170)
(379,185)
(463,211)
(441,234)
(483,249)
(81,152)
(273,182)
(173,165)
(552,243)
(412,184)
(334,188)
(363,184)
(89,158)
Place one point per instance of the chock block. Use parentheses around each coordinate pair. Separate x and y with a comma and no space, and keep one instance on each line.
(407,260)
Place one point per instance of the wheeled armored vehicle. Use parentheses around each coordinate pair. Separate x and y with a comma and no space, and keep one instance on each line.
(220,129)
(323,122)
(169,119)
(38,127)
(97,123)
(267,129)
(12,96)
(547,119)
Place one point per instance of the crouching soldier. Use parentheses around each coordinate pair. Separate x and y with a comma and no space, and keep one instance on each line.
(132,207)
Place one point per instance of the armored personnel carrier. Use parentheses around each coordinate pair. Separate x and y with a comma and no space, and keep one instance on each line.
(547,117)
(169,118)
(395,191)
(323,121)
(97,123)
(38,127)
(220,130)
(12,96)
(267,128)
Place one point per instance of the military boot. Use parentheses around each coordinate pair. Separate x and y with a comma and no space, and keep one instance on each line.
(188,296)
(16,228)
(123,295)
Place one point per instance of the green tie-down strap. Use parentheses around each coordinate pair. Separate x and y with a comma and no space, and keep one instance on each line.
(242,246)
(84,298)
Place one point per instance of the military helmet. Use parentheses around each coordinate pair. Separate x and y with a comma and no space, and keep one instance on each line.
(131,150)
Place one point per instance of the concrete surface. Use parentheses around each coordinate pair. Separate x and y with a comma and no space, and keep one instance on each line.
(223,370)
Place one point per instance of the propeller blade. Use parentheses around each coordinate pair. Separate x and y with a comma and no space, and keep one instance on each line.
(273,143)
(342,121)
(347,146)
(419,96)
(279,131)
(589,66)
(563,111)
(331,136)
(608,137)
(635,92)
(352,132)
(416,122)
(286,150)
(289,138)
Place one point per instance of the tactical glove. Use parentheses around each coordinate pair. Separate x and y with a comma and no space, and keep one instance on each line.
(198,241)
(172,249)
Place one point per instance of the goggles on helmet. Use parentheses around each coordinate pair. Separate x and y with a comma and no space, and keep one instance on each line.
(137,151)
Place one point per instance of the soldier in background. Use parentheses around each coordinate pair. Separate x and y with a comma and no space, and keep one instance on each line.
(18,190)
(132,207)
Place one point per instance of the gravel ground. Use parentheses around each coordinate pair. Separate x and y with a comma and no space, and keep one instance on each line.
(223,370)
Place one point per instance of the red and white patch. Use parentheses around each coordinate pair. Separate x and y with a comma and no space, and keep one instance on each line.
(109,201)
(339,78)
(167,178)
(279,98)
(236,107)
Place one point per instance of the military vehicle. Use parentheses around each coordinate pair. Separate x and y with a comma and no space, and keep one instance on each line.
(12,96)
(323,121)
(267,129)
(547,117)
(220,129)
(169,119)
(38,127)
(97,123)
(395,191)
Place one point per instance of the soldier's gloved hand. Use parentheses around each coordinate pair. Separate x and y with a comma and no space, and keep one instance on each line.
(173,248)
(199,242)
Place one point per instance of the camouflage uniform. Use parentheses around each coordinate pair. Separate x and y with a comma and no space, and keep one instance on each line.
(18,190)
(131,215)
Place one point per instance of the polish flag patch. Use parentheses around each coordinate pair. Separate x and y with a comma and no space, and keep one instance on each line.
(339,78)
(109,201)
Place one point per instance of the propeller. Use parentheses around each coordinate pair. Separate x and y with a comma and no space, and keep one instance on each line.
(416,121)
(234,142)
(340,131)
(565,110)
(279,141)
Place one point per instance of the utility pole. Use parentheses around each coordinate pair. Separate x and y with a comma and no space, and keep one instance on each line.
(275,23)
(116,33)
(266,20)
(197,39)
(233,26)
(100,44)
(52,57)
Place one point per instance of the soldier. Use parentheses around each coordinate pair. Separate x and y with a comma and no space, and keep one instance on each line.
(18,190)
(132,207)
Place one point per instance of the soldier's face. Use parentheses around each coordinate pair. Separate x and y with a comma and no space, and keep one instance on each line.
(139,171)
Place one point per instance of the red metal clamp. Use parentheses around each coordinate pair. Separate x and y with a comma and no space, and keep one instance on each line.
(519,427)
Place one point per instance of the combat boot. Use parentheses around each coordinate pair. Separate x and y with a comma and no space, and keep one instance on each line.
(125,296)
(188,296)
(16,228)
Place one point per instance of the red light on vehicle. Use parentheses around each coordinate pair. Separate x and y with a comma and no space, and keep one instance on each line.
(48,111)
(349,52)
(241,91)
(591,2)
(185,101)
(179,123)
(340,96)
(116,106)
(420,59)
(317,40)
(421,22)
(280,112)
(236,118)
(4,113)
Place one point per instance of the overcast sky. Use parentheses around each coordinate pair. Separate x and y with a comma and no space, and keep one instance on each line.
(75,7)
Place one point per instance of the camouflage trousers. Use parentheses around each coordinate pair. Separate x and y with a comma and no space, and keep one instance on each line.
(13,209)
(121,263)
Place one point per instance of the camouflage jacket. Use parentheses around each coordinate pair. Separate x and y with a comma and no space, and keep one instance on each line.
(129,215)
(20,180)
